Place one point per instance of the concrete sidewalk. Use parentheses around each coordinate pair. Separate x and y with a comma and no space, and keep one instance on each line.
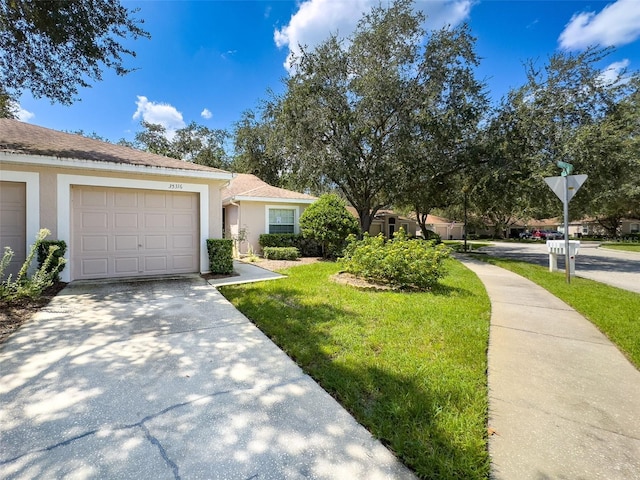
(245,273)
(165,379)
(564,403)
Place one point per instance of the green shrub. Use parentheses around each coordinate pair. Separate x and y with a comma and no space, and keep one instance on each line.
(24,286)
(401,262)
(281,253)
(329,222)
(220,252)
(55,266)
(307,247)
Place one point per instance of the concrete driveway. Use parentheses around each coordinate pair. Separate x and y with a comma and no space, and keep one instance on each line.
(614,267)
(166,379)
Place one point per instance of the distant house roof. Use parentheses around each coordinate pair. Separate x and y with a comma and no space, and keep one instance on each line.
(27,139)
(245,186)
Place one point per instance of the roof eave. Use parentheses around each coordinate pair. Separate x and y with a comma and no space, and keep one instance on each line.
(49,161)
(244,198)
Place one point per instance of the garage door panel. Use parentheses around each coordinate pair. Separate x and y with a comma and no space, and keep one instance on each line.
(126,199)
(155,220)
(127,266)
(95,243)
(184,202)
(125,220)
(13,223)
(183,241)
(184,221)
(126,243)
(94,267)
(183,262)
(138,232)
(155,242)
(155,200)
(93,198)
(156,264)
(95,219)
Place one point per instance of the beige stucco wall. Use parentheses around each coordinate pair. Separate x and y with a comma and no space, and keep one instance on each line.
(251,216)
(49,177)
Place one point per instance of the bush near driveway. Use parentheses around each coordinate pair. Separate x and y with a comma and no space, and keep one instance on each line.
(23,285)
(220,252)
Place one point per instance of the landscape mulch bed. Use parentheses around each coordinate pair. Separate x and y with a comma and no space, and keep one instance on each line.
(15,314)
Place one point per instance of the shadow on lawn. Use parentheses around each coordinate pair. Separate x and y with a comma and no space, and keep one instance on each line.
(404,412)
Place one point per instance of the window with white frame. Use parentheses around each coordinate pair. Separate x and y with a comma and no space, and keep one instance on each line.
(282,220)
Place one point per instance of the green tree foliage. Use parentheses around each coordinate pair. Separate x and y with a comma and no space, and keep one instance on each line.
(610,155)
(328,221)
(450,104)
(53,47)
(7,105)
(257,148)
(567,111)
(345,109)
(193,143)
(202,145)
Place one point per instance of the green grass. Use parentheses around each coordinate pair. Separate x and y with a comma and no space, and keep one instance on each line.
(411,367)
(629,247)
(614,311)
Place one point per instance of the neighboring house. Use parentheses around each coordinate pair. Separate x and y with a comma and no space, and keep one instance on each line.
(388,222)
(591,227)
(122,212)
(252,207)
(447,229)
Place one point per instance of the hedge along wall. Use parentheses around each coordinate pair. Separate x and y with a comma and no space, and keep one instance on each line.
(220,252)
(306,246)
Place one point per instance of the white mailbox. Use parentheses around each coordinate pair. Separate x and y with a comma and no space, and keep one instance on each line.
(556,247)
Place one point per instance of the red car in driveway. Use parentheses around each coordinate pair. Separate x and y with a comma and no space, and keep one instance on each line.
(546,235)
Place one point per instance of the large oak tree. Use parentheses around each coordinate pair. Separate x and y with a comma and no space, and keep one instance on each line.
(52,47)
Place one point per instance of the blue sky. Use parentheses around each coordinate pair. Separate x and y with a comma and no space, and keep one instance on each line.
(208,61)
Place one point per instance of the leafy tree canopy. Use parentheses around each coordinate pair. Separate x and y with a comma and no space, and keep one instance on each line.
(193,143)
(52,47)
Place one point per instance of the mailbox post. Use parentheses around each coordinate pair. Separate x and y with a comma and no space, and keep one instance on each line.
(565,187)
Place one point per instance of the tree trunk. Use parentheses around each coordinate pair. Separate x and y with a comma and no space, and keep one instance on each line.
(422,223)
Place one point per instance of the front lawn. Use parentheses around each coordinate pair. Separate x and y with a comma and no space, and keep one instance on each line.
(628,247)
(613,310)
(411,367)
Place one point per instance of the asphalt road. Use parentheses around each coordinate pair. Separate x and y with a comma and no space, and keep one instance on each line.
(614,267)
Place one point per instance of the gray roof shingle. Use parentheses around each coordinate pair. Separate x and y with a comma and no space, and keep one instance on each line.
(25,138)
(247,185)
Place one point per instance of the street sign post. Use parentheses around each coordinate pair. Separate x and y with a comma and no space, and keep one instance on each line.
(565,187)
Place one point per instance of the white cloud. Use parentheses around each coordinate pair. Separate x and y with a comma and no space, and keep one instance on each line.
(617,24)
(160,113)
(315,20)
(612,74)
(22,114)
(206,113)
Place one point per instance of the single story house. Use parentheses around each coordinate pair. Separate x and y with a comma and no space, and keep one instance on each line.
(252,207)
(388,222)
(122,212)
(447,229)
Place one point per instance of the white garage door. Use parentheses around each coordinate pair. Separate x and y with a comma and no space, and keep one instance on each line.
(13,223)
(120,232)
